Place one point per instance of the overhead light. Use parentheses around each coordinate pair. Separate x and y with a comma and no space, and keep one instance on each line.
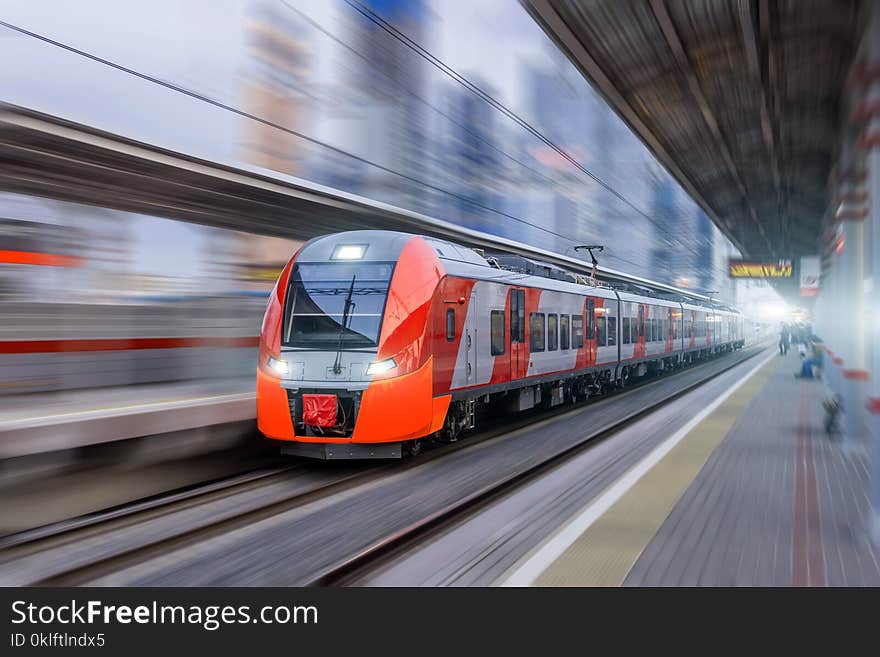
(349,252)
(381,366)
(278,366)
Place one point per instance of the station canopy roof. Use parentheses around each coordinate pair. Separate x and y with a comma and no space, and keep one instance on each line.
(742,100)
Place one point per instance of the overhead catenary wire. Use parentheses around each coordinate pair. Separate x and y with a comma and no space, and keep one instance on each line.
(317,142)
(177,88)
(372,16)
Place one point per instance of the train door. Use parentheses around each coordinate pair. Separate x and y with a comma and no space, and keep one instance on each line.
(590,331)
(641,349)
(518,355)
(692,330)
(470,338)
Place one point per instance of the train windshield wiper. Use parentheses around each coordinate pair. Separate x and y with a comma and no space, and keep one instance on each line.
(346,313)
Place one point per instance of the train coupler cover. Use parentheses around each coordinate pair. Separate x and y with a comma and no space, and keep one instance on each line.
(319,410)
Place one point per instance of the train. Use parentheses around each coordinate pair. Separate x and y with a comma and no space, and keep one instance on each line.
(374,341)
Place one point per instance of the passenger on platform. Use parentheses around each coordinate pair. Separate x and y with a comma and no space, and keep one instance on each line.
(806,368)
(783,339)
(811,360)
(833,409)
(817,357)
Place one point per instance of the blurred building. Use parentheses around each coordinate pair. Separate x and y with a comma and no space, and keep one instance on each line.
(705,248)
(471,159)
(275,82)
(375,91)
(257,261)
(379,68)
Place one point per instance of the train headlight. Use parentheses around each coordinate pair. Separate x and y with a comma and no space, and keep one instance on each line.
(278,366)
(381,366)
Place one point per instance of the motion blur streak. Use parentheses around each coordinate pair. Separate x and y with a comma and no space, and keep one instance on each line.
(462,111)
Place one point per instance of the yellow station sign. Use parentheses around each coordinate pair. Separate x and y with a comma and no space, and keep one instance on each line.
(752,269)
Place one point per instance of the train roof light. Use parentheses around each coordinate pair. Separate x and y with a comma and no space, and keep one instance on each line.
(349,252)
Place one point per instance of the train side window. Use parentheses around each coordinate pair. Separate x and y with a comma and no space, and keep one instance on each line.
(496,327)
(450,324)
(625,327)
(564,331)
(577,331)
(591,317)
(641,321)
(552,332)
(600,331)
(536,332)
(612,331)
(654,331)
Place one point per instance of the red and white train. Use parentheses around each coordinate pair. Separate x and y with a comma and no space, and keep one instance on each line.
(374,340)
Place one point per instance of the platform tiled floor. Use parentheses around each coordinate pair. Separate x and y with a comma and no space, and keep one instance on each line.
(776,504)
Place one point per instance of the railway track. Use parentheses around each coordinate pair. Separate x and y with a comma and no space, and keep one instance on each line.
(357,566)
(87,549)
(318,479)
(103,541)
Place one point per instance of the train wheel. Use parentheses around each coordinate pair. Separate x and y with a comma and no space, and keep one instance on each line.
(455,422)
(414,447)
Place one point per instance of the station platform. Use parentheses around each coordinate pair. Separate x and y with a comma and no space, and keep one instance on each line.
(41,422)
(190,426)
(750,492)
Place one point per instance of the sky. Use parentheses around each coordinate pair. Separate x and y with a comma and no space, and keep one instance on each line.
(201,45)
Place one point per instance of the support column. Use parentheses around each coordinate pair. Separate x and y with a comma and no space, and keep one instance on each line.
(852,344)
(873,329)
(833,321)
(871,142)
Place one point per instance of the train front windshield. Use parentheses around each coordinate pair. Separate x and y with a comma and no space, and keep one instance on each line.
(336,305)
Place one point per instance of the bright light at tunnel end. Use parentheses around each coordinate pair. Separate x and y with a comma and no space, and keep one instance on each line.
(349,252)
(774,311)
(381,366)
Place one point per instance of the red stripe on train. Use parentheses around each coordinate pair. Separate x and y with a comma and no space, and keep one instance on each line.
(120,344)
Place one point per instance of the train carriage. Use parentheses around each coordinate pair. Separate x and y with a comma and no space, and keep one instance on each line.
(373,340)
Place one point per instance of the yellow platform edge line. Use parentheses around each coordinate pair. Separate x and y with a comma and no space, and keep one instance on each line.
(605,553)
